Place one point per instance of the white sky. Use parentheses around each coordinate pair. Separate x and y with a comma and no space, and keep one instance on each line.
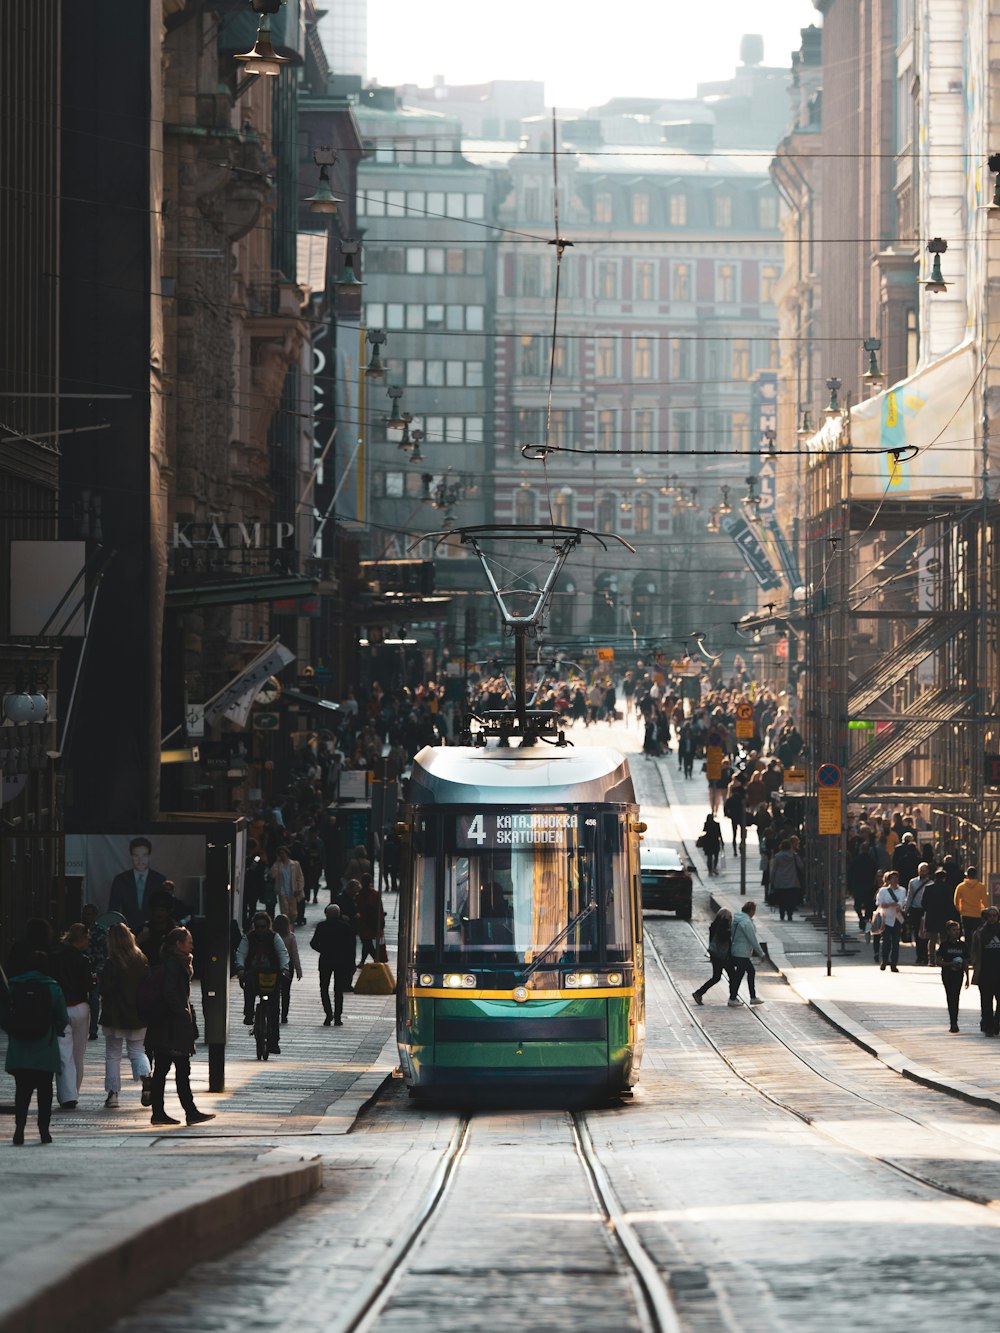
(585,52)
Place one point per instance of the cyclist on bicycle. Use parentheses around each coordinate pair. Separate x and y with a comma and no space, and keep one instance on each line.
(262,953)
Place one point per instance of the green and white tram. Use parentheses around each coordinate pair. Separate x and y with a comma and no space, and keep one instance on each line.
(520,946)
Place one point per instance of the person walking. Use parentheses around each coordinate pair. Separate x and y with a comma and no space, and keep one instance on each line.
(971,899)
(719,939)
(986,971)
(390,860)
(862,878)
(734,807)
(283,929)
(953,956)
(124,970)
(710,843)
(939,909)
(333,940)
(172,1032)
(371,920)
(785,879)
(33,1014)
(71,968)
(686,749)
(914,909)
(891,900)
(743,949)
(289,884)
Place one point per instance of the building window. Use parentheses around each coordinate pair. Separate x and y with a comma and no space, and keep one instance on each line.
(473,430)
(524,505)
(474,318)
(678,210)
(725,283)
(768,279)
(607,359)
(739,431)
(561,430)
(607,432)
(453,430)
(473,374)
(456,261)
(681,285)
(434,316)
(414,317)
(642,429)
(645,288)
(435,374)
(562,359)
(605,612)
(722,210)
(374,203)
(414,374)
(474,262)
(767,212)
(680,359)
(454,374)
(455,205)
(741,359)
(435,260)
(643,510)
(416,202)
(562,508)
(640,210)
(416,259)
(529,356)
(394,485)
(530,425)
(642,359)
(531,275)
(603,211)
(607,280)
(531,201)
(395,315)
(395,203)
(607,512)
(475,206)
(375,315)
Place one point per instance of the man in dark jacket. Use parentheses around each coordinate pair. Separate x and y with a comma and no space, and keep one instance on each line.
(333,940)
(261,950)
(906,859)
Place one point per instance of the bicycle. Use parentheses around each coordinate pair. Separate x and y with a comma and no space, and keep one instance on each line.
(267,984)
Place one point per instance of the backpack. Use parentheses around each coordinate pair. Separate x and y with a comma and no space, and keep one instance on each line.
(29,1009)
(149,1000)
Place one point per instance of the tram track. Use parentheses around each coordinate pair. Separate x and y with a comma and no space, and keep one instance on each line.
(651,1296)
(921,1178)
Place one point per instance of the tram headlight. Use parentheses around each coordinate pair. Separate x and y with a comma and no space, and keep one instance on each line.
(426,979)
(580,980)
(614,978)
(460,981)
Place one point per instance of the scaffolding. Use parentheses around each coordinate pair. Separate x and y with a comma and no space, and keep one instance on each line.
(900,631)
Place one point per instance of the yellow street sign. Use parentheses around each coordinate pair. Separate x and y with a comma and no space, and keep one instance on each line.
(605,654)
(831,804)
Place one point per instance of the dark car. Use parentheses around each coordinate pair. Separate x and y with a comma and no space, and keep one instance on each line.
(666,881)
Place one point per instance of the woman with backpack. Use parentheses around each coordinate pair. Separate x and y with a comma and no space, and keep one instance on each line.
(33,1014)
(123,974)
(719,940)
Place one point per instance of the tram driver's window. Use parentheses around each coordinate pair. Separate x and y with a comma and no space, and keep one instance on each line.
(616,889)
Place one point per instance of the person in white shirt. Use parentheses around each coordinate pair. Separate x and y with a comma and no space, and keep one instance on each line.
(892,901)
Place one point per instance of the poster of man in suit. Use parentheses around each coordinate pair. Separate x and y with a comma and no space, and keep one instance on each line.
(132,890)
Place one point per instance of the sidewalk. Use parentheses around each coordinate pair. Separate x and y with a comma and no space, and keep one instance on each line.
(899,1017)
(72,1210)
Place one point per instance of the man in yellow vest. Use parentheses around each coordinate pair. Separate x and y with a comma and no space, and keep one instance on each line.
(972,899)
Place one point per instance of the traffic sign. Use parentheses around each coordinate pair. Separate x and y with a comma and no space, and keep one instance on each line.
(744,722)
(794,781)
(829,775)
(605,654)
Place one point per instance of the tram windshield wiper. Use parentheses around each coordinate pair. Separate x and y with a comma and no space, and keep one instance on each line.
(582,915)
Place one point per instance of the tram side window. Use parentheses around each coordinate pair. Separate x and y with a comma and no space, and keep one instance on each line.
(615,883)
(425,915)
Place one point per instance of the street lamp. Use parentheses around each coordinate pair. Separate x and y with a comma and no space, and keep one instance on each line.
(262,57)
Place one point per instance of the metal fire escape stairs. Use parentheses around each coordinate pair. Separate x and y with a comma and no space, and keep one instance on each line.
(923,718)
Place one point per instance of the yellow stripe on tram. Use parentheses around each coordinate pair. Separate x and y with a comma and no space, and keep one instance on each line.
(578,993)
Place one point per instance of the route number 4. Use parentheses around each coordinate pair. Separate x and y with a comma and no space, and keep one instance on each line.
(477,833)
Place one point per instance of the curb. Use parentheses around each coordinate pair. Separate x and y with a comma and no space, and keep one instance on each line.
(154,1244)
(341,1115)
(890,1056)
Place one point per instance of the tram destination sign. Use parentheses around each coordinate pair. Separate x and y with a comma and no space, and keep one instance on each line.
(486,831)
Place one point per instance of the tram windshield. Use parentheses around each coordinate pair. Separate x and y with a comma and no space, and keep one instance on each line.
(535,887)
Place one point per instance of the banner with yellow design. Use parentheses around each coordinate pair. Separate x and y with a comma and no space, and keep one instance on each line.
(933,411)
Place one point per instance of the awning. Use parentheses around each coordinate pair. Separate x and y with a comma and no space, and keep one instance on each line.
(236,592)
(310,699)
